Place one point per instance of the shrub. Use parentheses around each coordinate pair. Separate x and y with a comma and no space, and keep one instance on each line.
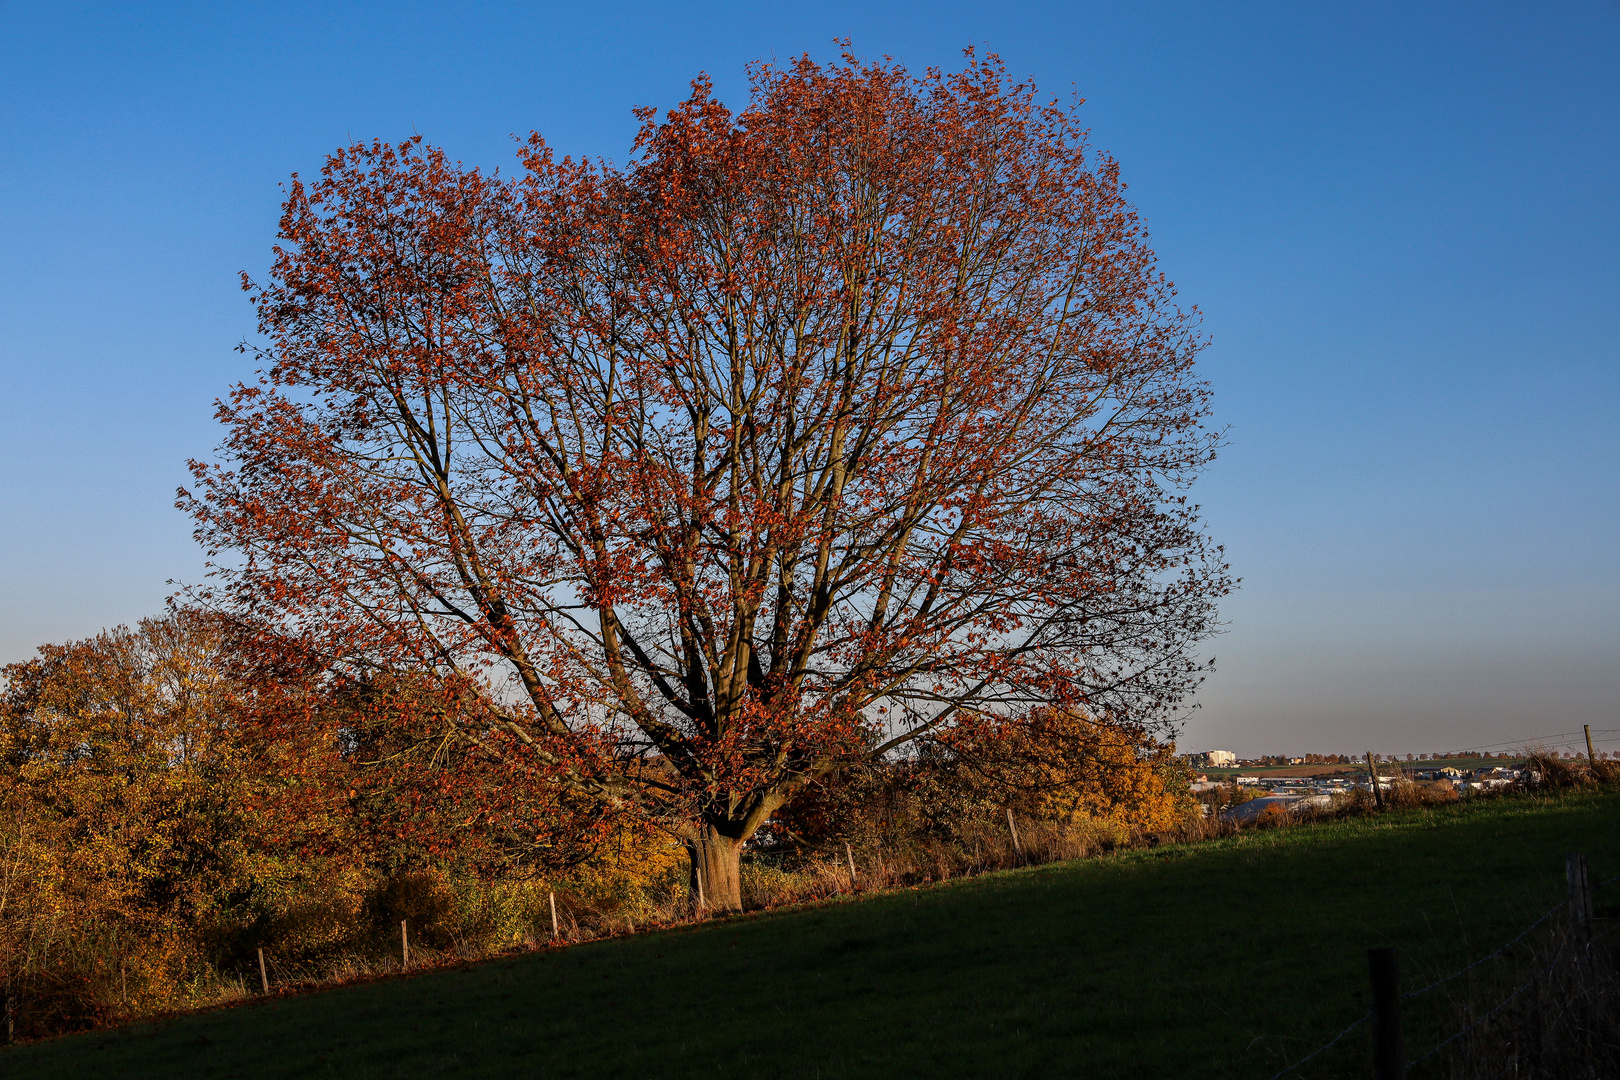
(423,900)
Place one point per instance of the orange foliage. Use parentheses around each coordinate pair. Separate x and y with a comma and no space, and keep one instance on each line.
(821,425)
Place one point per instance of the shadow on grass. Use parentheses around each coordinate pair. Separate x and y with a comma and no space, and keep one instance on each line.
(1227,958)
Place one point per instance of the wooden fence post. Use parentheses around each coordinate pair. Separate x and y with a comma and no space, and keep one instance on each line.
(1012,828)
(1389,1053)
(556,930)
(404,947)
(1591,755)
(264,976)
(1580,899)
(850,855)
(1372,771)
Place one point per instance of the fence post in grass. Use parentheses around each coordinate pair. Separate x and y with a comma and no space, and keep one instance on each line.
(404,947)
(556,930)
(1591,755)
(264,976)
(1389,1053)
(1580,899)
(850,855)
(1378,795)
(1013,828)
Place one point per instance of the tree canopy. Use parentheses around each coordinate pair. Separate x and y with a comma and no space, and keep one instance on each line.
(850,418)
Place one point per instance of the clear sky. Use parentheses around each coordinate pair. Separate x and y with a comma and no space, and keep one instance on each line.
(1402,222)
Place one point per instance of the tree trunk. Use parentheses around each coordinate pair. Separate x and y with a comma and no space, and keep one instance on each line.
(716,870)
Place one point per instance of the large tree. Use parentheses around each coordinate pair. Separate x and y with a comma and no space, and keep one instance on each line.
(817,428)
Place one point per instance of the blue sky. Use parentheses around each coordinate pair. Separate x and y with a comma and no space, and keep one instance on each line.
(1401,222)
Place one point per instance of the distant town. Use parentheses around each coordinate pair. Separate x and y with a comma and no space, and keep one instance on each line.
(1296,783)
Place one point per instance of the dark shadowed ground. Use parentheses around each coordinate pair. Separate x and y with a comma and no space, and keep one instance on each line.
(1228,958)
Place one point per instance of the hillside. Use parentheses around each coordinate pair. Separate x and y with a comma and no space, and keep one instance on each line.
(1228,958)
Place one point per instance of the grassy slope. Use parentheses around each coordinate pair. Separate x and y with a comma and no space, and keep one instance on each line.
(1216,959)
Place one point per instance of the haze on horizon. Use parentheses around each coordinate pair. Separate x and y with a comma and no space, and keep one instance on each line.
(1400,225)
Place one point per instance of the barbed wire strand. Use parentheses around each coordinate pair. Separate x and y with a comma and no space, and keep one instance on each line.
(1325,1046)
(1500,1005)
(1534,740)
(1441,982)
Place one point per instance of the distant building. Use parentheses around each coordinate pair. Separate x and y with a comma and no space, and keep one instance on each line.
(1215,759)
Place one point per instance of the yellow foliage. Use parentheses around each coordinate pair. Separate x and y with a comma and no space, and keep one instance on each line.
(1074,766)
(634,866)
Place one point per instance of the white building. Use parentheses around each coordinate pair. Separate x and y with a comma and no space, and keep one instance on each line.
(1215,759)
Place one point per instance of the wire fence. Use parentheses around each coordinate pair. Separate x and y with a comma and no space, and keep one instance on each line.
(1557,739)
(1489,957)
(1436,984)
(1498,1007)
(1324,1048)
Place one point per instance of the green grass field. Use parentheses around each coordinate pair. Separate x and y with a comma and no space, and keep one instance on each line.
(1221,959)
